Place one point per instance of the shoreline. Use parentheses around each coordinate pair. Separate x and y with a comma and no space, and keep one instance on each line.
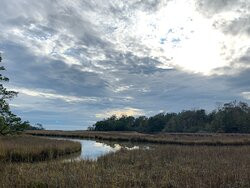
(185,139)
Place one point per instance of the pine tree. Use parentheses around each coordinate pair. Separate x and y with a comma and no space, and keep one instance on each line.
(9,122)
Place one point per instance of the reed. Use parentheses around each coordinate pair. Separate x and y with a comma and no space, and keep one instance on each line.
(165,166)
(31,149)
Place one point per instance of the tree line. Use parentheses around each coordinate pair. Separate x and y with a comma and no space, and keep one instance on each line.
(231,117)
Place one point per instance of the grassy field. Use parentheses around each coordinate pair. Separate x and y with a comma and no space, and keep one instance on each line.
(173,166)
(166,166)
(30,148)
(167,138)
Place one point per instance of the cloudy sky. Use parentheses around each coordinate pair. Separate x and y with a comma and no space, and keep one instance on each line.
(77,61)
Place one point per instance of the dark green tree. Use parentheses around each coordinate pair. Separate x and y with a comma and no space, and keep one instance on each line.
(140,124)
(233,117)
(156,123)
(9,122)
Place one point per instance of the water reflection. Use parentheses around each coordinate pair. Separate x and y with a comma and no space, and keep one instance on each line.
(92,149)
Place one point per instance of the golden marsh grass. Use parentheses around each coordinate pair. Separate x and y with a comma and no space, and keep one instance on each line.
(161,138)
(30,148)
(165,166)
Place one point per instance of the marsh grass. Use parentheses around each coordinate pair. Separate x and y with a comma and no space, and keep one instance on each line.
(31,149)
(163,138)
(171,166)
(165,166)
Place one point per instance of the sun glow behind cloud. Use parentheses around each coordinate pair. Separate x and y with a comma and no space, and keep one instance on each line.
(99,58)
(120,112)
(180,37)
(176,35)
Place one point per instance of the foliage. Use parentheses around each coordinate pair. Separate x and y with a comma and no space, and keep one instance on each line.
(38,126)
(9,122)
(233,117)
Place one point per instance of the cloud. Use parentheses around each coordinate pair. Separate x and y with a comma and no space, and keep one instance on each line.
(240,25)
(47,95)
(128,111)
(246,95)
(231,18)
(211,7)
(76,61)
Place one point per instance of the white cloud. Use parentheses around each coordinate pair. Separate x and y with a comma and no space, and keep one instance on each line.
(246,95)
(119,112)
(125,53)
(175,33)
(122,88)
(49,95)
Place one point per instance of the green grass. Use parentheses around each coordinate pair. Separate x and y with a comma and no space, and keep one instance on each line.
(165,166)
(30,148)
(167,138)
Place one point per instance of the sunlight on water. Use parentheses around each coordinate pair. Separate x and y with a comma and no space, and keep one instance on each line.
(92,149)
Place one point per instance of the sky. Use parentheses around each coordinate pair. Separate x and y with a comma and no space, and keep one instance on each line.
(75,62)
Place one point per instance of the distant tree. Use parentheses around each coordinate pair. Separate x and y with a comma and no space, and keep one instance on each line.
(140,124)
(125,123)
(231,117)
(9,122)
(37,126)
(156,123)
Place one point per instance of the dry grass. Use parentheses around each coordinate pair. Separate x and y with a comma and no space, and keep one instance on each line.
(166,166)
(30,148)
(171,166)
(167,138)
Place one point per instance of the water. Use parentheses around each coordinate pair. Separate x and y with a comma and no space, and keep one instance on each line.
(92,149)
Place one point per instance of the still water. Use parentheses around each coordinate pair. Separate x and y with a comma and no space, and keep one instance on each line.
(92,149)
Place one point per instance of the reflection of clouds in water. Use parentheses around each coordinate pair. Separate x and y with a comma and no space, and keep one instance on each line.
(101,145)
(92,150)
(117,147)
(107,147)
(146,147)
(98,144)
(132,148)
